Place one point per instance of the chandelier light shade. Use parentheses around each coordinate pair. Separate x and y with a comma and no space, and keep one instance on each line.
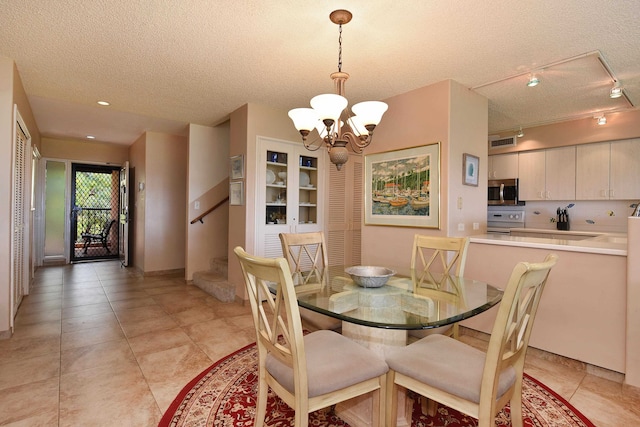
(330,117)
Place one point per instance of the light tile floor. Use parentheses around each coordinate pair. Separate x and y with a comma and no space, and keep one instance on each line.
(99,345)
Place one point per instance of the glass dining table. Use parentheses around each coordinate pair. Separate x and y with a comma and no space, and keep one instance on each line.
(410,299)
(380,317)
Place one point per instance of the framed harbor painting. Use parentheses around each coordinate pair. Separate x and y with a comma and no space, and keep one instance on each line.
(402,187)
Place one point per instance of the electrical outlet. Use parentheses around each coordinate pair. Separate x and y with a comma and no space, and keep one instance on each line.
(196,205)
(461,226)
(476,226)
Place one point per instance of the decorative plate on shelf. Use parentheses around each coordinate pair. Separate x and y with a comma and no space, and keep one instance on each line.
(271,177)
(304,179)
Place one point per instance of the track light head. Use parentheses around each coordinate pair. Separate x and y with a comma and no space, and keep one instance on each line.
(616,90)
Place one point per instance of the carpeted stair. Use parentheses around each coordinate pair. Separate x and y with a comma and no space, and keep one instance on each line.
(214,281)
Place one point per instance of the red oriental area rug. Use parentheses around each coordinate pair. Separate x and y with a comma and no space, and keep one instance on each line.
(224,395)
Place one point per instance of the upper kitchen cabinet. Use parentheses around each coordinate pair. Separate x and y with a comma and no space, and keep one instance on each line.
(624,177)
(503,166)
(608,171)
(291,182)
(547,174)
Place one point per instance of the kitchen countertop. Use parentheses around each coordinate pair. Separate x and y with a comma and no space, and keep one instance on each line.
(596,243)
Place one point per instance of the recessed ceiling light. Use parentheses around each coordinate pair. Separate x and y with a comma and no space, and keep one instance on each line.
(104,103)
(91,137)
(533,81)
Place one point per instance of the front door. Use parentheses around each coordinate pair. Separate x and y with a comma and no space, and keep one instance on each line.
(94,212)
(124,215)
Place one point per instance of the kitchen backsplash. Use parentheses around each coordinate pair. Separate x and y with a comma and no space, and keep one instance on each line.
(599,216)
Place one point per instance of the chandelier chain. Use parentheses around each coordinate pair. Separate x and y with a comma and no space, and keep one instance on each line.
(340,48)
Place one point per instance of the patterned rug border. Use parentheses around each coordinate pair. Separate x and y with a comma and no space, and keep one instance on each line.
(179,399)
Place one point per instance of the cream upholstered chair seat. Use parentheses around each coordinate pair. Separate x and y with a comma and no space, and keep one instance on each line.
(459,374)
(461,377)
(333,363)
(308,372)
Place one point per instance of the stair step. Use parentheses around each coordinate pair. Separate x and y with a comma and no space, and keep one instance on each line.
(220,265)
(215,284)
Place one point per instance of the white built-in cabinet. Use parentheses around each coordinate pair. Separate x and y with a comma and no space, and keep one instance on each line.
(345,212)
(290,182)
(503,166)
(608,170)
(547,174)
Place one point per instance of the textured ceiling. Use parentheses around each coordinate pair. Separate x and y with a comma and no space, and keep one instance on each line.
(164,63)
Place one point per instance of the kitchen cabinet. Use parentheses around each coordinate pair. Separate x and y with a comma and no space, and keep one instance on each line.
(290,181)
(592,171)
(547,174)
(503,166)
(608,170)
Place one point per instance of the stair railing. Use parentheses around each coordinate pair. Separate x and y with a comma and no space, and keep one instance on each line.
(208,211)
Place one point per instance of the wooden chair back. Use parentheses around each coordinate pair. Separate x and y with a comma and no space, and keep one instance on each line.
(451,252)
(307,256)
(433,259)
(279,336)
(510,334)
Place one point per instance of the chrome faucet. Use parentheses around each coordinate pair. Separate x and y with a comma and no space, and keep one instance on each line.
(636,211)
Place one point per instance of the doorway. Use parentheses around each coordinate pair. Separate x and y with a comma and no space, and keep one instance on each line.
(95,203)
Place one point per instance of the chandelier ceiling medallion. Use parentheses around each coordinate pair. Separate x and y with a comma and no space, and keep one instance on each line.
(337,128)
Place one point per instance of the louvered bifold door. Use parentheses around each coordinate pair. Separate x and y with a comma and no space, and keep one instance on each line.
(345,212)
(19,247)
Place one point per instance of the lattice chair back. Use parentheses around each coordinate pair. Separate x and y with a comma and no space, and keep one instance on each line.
(307,256)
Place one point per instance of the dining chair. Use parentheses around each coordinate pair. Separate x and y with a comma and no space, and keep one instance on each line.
(307,257)
(469,380)
(442,255)
(308,372)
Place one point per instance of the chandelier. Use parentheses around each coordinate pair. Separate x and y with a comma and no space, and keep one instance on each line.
(337,128)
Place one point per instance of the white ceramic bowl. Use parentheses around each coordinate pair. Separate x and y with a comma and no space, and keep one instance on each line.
(369,276)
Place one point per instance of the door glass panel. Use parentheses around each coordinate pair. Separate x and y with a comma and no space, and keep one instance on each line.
(276,188)
(308,192)
(94,219)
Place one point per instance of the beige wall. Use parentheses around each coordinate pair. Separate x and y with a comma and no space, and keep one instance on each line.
(247,123)
(207,184)
(622,125)
(84,151)
(447,113)
(11,92)
(6,140)
(165,202)
(633,304)
(582,310)
(137,164)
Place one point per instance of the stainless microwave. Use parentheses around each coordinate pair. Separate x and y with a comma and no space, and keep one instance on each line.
(503,192)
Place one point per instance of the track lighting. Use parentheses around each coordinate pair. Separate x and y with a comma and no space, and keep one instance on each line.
(616,90)
(533,81)
(602,120)
(520,133)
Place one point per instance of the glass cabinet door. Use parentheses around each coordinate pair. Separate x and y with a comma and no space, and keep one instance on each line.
(291,190)
(277,180)
(308,189)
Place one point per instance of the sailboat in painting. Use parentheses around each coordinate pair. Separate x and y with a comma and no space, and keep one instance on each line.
(421,200)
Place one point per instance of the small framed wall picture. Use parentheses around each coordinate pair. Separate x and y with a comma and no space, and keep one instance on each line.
(236,167)
(236,193)
(470,165)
